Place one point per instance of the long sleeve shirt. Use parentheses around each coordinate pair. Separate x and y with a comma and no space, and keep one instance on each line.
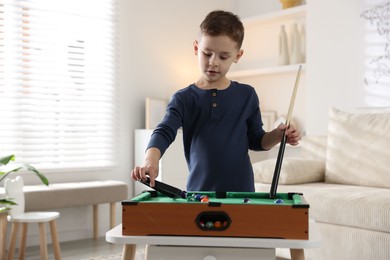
(219,127)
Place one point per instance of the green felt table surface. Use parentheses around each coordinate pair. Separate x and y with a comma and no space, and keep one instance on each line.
(255,198)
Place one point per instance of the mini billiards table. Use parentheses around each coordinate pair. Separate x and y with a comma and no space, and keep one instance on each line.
(224,214)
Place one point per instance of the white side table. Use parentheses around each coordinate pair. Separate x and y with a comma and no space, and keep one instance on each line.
(296,245)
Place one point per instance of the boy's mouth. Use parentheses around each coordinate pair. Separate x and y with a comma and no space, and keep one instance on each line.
(212,72)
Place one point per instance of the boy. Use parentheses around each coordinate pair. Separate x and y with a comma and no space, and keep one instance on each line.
(220,118)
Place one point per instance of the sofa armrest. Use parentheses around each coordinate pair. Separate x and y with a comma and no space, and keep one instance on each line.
(293,171)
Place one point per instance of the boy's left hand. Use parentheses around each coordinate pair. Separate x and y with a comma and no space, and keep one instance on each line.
(293,134)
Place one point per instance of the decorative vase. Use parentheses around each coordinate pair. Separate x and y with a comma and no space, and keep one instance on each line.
(283,47)
(302,33)
(290,3)
(296,51)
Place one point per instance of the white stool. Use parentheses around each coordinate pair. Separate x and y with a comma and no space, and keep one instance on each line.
(14,191)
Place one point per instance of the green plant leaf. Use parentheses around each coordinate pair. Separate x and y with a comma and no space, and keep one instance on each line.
(5,160)
(30,168)
(11,168)
(8,169)
(7,202)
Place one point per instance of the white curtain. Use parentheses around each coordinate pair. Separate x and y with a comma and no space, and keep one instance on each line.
(58,77)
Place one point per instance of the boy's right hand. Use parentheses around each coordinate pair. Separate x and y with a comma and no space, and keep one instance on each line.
(149,168)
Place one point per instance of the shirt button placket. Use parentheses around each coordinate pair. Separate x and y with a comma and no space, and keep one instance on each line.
(214,103)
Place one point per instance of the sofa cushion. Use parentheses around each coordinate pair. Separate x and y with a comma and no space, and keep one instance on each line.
(358,150)
(344,205)
(314,147)
(293,171)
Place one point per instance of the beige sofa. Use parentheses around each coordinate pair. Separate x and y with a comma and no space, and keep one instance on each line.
(345,177)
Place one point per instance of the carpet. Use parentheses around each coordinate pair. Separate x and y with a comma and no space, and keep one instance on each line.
(139,255)
(105,257)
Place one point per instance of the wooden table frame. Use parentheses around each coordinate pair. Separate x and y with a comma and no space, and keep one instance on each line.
(296,246)
(3,234)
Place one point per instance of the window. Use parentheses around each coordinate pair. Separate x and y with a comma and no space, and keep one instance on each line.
(58,93)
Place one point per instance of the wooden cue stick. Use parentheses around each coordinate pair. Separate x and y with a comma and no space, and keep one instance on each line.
(279,160)
(290,109)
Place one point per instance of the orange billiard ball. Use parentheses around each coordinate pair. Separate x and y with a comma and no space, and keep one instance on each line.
(217,224)
(205,199)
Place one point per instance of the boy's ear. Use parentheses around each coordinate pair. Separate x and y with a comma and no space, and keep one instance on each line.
(196,47)
(239,55)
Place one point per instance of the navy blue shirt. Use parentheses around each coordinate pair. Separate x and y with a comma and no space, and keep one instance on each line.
(219,126)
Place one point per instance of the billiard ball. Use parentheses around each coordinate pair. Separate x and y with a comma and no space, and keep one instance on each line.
(183,194)
(279,201)
(217,224)
(246,200)
(204,199)
(198,197)
(191,198)
(209,224)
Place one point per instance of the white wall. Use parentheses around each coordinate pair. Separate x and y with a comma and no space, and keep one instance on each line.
(335,59)
(250,8)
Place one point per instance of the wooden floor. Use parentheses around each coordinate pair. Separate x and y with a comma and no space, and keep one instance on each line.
(79,250)
(87,249)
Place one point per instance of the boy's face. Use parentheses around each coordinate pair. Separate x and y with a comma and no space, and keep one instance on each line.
(215,55)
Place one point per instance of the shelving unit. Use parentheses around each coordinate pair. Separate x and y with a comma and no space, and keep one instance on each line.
(259,65)
(284,14)
(268,19)
(265,71)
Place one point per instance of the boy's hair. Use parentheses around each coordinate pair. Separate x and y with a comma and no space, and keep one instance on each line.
(223,23)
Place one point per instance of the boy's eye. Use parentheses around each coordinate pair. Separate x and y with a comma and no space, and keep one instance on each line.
(209,54)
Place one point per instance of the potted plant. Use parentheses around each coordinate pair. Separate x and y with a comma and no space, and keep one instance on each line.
(6,168)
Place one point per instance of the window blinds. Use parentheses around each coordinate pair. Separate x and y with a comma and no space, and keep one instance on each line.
(58,96)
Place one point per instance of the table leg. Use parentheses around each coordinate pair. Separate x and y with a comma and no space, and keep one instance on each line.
(22,247)
(128,252)
(3,235)
(112,215)
(297,254)
(54,239)
(42,241)
(12,244)
(95,221)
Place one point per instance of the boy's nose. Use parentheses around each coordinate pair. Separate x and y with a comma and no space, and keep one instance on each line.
(213,62)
